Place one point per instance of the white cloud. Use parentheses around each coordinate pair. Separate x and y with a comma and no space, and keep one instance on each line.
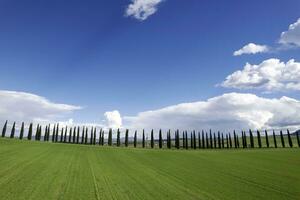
(292,35)
(251,48)
(113,119)
(142,9)
(270,75)
(27,107)
(226,112)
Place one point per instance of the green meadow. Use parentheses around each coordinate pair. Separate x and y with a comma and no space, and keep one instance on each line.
(39,170)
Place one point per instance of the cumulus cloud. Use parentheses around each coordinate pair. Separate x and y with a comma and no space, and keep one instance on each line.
(270,75)
(251,48)
(292,35)
(142,9)
(113,119)
(225,113)
(21,106)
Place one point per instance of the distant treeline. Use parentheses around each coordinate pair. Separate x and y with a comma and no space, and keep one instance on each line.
(179,139)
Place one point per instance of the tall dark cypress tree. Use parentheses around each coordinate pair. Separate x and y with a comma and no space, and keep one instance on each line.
(152,139)
(245,139)
(62,134)
(74,134)
(135,139)
(186,140)
(274,138)
(298,139)
(91,137)
(251,139)
(56,133)
(289,138)
(126,138)
(53,133)
(12,133)
(235,141)
(199,140)
(94,136)
(219,140)
(65,134)
(46,133)
(223,141)
(100,133)
(29,135)
(194,140)
(77,137)
(183,139)
(210,139)
(36,137)
(86,135)
(203,140)
(82,135)
(178,140)
(168,142)
(230,141)
(4,129)
(215,141)
(143,138)
(258,139)
(282,139)
(160,139)
(70,134)
(267,138)
(227,142)
(118,138)
(206,138)
(21,131)
(110,137)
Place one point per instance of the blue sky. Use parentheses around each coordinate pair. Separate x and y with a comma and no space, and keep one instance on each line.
(91,55)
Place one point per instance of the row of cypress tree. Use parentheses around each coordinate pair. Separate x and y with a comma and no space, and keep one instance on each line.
(201,140)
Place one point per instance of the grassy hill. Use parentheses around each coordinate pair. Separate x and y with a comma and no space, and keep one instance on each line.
(37,170)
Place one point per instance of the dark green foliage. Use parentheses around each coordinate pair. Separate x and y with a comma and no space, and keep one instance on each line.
(74,134)
(298,139)
(194,140)
(227,141)
(168,139)
(143,138)
(251,139)
(160,139)
(56,134)
(210,140)
(245,139)
(53,133)
(94,136)
(118,138)
(267,138)
(126,138)
(215,141)
(109,137)
(282,139)
(4,129)
(82,135)
(289,139)
(206,138)
(258,139)
(21,131)
(186,140)
(152,139)
(37,132)
(102,140)
(199,140)
(13,129)
(219,140)
(46,133)
(70,135)
(177,140)
(203,140)
(62,135)
(86,135)
(77,137)
(223,141)
(135,139)
(29,135)
(230,141)
(100,137)
(91,137)
(235,141)
(274,138)
(183,139)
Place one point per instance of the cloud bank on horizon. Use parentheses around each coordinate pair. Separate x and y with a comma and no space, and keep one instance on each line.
(142,9)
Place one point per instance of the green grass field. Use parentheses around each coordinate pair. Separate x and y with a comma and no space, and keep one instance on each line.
(38,170)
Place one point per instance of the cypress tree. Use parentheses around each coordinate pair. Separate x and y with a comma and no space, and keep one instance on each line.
(143,138)
(210,139)
(74,134)
(168,142)
(267,138)
(22,131)
(282,139)
(82,135)
(227,142)
(183,139)
(56,134)
(53,133)
(62,135)
(118,138)
(110,137)
(37,132)
(70,134)
(29,135)
(203,140)
(230,141)
(206,138)
(99,140)
(94,136)
(160,139)
(12,133)
(126,138)
(135,139)
(46,134)
(251,139)
(237,141)
(234,137)
(65,134)
(178,140)
(186,140)
(298,139)
(219,140)
(152,139)
(274,138)
(4,129)
(192,141)
(199,140)
(194,137)
(223,141)
(86,135)
(258,139)
(289,138)
(77,138)
(245,136)
(91,136)
(215,141)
